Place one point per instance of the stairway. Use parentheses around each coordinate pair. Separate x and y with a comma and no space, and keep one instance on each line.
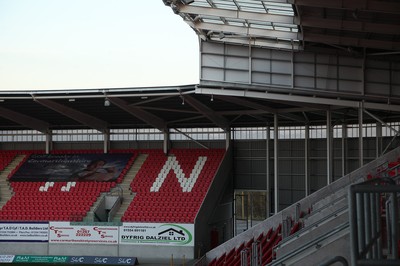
(128,195)
(6,191)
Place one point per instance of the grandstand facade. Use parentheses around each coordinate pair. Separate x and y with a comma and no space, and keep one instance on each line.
(296,111)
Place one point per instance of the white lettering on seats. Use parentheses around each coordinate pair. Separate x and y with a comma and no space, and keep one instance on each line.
(187,183)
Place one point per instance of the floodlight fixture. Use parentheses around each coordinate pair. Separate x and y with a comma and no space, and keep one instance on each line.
(106,102)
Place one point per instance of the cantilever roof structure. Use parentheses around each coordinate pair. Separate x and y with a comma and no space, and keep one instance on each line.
(260,23)
(295,24)
(358,28)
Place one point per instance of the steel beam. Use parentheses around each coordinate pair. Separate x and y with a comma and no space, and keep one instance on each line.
(235,14)
(141,114)
(74,114)
(217,119)
(24,120)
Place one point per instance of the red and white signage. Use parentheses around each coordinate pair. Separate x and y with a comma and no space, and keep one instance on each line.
(64,232)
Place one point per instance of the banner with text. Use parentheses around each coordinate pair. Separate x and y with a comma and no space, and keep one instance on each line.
(24,232)
(166,234)
(88,260)
(40,259)
(72,167)
(6,258)
(64,232)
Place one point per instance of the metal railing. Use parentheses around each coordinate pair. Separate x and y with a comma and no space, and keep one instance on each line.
(374,218)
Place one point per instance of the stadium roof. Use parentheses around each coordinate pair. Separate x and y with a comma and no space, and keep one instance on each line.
(174,107)
(295,24)
(355,26)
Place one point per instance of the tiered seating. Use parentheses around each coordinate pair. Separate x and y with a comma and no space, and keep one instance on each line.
(5,158)
(26,153)
(267,242)
(52,201)
(172,188)
(56,201)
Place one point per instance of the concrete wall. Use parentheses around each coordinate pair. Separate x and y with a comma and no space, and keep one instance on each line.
(203,223)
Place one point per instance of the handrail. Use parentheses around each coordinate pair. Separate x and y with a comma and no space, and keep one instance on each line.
(314,242)
(201,262)
(313,225)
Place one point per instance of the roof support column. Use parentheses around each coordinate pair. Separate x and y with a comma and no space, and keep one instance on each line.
(360,135)
(329,148)
(166,142)
(378,139)
(106,142)
(268,184)
(228,138)
(276,165)
(344,149)
(307,160)
(49,141)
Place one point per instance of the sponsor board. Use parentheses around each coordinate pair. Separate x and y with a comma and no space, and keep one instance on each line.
(72,167)
(40,259)
(165,234)
(102,260)
(64,232)
(6,258)
(24,232)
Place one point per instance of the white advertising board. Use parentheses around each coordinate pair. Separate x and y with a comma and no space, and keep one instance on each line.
(64,232)
(24,232)
(6,258)
(165,234)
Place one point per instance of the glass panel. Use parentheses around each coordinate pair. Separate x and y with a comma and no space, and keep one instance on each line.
(250,209)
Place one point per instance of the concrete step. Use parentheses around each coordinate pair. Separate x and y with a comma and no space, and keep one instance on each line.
(318,251)
(315,216)
(310,233)
(330,199)
(128,195)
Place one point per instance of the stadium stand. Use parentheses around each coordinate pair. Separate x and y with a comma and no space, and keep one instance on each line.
(163,181)
(160,185)
(52,201)
(322,226)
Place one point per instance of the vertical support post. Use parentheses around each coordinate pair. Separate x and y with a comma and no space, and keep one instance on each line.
(106,143)
(329,153)
(361,220)
(374,229)
(353,226)
(367,222)
(228,138)
(394,223)
(250,63)
(256,254)
(378,224)
(244,257)
(49,141)
(344,149)
(276,165)
(268,188)
(378,140)
(360,135)
(307,160)
(166,141)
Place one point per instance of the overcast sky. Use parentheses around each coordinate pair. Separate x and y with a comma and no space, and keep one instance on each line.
(83,44)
